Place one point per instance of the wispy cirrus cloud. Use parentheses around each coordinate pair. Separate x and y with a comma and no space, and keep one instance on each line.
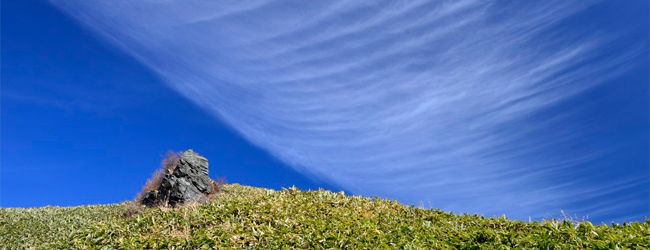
(417,100)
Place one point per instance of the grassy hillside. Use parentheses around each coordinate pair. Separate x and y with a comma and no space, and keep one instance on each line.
(253,218)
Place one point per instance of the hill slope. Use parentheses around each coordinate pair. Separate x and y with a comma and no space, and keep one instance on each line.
(247,217)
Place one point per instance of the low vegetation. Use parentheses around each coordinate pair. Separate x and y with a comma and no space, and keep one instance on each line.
(169,162)
(253,218)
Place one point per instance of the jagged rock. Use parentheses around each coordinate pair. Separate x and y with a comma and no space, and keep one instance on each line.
(195,161)
(187,182)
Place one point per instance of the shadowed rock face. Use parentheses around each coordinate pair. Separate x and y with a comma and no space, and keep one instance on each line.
(187,182)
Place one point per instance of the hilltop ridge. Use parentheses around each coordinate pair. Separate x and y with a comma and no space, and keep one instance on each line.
(256,218)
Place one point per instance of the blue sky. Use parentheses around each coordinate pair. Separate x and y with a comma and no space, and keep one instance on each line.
(489,107)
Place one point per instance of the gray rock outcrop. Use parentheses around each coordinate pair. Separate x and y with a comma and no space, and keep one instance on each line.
(187,182)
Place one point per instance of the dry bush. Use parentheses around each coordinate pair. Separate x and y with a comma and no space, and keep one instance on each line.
(217,186)
(131,209)
(152,184)
(169,162)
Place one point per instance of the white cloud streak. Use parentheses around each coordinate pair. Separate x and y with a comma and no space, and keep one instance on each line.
(414,100)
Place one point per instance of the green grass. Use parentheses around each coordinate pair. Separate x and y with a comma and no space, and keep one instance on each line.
(251,218)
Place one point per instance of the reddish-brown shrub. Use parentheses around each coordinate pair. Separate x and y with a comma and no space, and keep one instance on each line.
(169,162)
(131,209)
(218,185)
